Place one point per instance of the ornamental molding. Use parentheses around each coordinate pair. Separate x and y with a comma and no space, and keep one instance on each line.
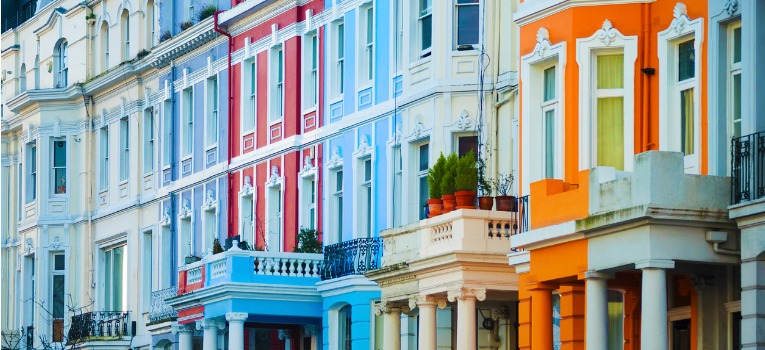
(336,160)
(308,169)
(247,189)
(464,122)
(731,7)
(466,293)
(607,33)
(387,306)
(56,244)
(274,179)
(365,148)
(427,300)
(681,19)
(165,221)
(182,328)
(543,43)
(285,334)
(209,323)
(236,316)
(311,329)
(211,204)
(28,246)
(186,210)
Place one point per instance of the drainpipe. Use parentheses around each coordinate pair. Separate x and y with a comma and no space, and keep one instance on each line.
(646,81)
(230,81)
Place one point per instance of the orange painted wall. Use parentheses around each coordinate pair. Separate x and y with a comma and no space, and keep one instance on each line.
(554,201)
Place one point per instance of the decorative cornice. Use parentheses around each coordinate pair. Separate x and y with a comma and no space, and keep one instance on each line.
(429,300)
(387,306)
(185,42)
(209,323)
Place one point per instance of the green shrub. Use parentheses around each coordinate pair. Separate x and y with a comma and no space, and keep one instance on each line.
(216,246)
(466,176)
(308,241)
(206,12)
(435,176)
(450,169)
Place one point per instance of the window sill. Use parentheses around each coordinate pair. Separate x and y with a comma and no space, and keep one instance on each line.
(123,182)
(471,52)
(274,122)
(307,110)
(213,146)
(103,190)
(420,62)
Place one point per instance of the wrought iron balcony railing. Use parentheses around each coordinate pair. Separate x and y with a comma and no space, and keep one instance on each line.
(748,168)
(353,257)
(20,16)
(160,311)
(99,324)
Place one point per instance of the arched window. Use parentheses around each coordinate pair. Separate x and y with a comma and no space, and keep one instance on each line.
(62,67)
(150,24)
(104,46)
(23,78)
(125,24)
(344,328)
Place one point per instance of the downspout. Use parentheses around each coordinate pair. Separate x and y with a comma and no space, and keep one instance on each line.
(230,81)
(645,107)
(88,145)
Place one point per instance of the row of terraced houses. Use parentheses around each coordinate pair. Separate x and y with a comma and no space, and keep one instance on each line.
(161,157)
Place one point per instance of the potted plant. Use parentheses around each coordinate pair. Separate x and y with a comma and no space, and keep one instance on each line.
(503,184)
(90,18)
(466,181)
(435,176)
(485,200)
(206,12)
(308,241)
(185,25)
(165,35)
(191,259)
(447,183)
(217,248)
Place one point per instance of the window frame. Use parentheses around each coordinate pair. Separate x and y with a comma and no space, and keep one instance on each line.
(366,45)
(124,149)
(421,174)
(337,70)
(107,280)
(276,82)
(336,189)
(126,37)
(310,74)
(455,33)
(212,115)
(31,172)
(421,14)
(62,69)
(54,167)
(249,95)
(187,123)
(732,70)
(149,140)
(55,321)
(103,149)
(365,200)
(275,216)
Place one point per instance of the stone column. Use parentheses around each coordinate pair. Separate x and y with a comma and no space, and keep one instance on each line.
(313,331)
(541,316)
(236,330)
(286,335)
(466,320)
(653,325)
(210,328)
(427,321)
(185,333)
(596,321)
(572,322)
(392,323)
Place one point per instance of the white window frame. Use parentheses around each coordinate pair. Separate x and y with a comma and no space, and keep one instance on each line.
(455,16)
(167,127)
(212,106)
(337,62)
(186,241)
(336,206)
(105,46)
(103,149)
(276,81)
(275,214)
(107,284)
(533,64)
(311,71)
(682,29)
(65,167)
(148,282)
(395,183)
(732,70)
(189,9)
(124,148)
(210,213)
(31,185)
(308,190)
(366,47)
(62,71)
(53,273)
(607,40)
(249,95)
(149,140)
(126,38)
(397,24)
(364,197)
(187,123)
(420,14)
(550,106)
(152,22)
(247,204)
(420,174)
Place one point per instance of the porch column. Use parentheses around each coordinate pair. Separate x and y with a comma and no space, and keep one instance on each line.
(210,328)
(541,316)
(752,304)
(466,321)
(236,330)
(427,321)
(313,331)
(653,308)
(185,333)
(392,323)
(286,335)
(596,319)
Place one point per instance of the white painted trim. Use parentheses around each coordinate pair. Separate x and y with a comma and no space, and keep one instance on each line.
(605,39)
(681,28)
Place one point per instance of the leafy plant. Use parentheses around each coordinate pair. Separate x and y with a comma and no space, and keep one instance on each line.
(142,54)
(450,168)
(217,248)
(90,16)
(466,176)
(186,25)
(308,241)
(504,183)
(435,176)
(165,35)
(206,12)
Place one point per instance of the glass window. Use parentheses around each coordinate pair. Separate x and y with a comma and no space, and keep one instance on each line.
(338,206)
(422,174)
(549,84)
(686,121)
(63,53)
(148,157)
(344,323)
(549,122)
(734,106)
(425,20)
(104,150)
(278,109)
(58,293)
(188,132)
(615,320)
(212,121)
(115,279)
(369,42)
(32,166)
(126,29)
(397,183)
(609,94)
(124,148)
(467,22)
(340,56)
(312,205)
(465,144)
(686,63)
(59,166)
(366,191)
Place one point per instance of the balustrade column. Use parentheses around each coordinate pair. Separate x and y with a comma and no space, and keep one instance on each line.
(210,328)
(466,315)
(236,330)
(185,333)
(653,308)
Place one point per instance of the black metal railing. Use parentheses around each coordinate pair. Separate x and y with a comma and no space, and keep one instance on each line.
(99,324)
(354,257)
(522,224)
(160,311)
(20,17)
(747,168)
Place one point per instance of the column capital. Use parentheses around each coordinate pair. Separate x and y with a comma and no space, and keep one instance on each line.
(311,329)
(595,275)
(655,264)
(236,316)
(285,334)
(466,293)
(182,328)
(387,306)
(210,323)
(430,300)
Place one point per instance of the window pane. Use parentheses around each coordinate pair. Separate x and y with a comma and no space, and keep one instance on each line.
(423,196)
(611,132)
(424,157)
(58,262)
(427,32)
(118,275)
(610,71)
(467,24)
(367,170)
(466,144)
(549,81)
(686,61)
(549,135)
(340,41)
(59,154)
(339,181)
(736,105)
(58,296)
(370,25)
(108,279)
(686,121)
(737,45)
(60,180)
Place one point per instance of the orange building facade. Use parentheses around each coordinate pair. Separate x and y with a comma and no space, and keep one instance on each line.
(631,245)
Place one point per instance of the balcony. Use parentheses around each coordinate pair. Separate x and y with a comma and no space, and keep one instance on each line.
(98,326)
(748,168)
(20,16)
(160,310)
(353,257)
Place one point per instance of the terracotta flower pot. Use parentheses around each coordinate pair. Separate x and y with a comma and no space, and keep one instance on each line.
(506,203)
(485,203)
(435,207)
(449,203)
(465,199)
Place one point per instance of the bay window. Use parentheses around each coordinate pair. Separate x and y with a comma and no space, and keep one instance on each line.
(609,110)
(423,154)
(31,181)
(59,166)
(425,26)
